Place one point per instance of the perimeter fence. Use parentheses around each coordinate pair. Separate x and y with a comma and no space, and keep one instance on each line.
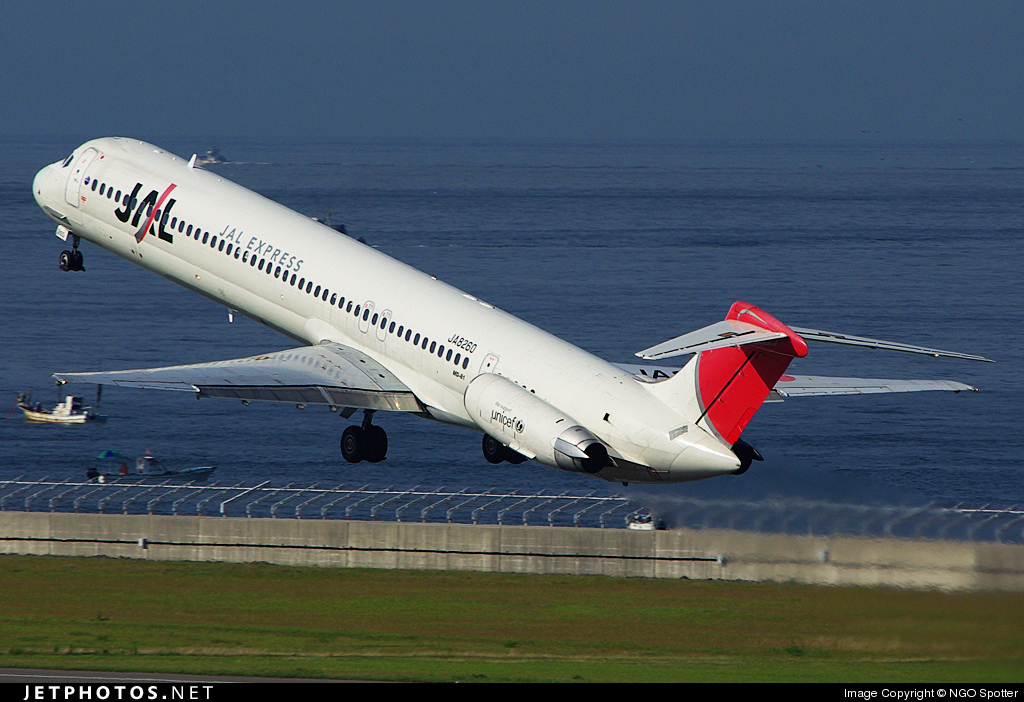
(1003,524)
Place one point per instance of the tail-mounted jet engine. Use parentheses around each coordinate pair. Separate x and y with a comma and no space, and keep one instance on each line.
(531,427)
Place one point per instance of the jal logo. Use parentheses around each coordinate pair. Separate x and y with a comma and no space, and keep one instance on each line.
(151,205)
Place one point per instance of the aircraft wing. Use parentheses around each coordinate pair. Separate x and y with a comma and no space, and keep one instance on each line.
(330,374)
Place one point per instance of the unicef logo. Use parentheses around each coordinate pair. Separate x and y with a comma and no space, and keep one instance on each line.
(520,426)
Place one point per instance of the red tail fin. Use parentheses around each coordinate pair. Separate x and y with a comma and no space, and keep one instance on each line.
(735,380)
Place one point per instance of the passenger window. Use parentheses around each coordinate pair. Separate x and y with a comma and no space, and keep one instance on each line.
(349,308)
(357,310)
(465,363)
(103,187)
(416,341)
(228,252)
(407,333)
(309,286)
(277,272)
(449,356)
(117,198)
(458,357)
(324,296)
(374,320)
(424,344)
(94,184)
(189,231)
(366,314)
(213,242)
(262,261)
(334,298)
(391,329)
(206,236)
(221,247)
(341,303)
(316,293)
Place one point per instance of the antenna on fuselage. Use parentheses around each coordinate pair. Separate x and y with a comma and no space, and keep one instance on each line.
(192,161)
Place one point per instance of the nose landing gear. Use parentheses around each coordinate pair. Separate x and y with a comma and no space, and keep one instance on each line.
(72,260)
(364,443)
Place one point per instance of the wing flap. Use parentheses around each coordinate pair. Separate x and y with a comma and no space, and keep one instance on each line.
(330,374)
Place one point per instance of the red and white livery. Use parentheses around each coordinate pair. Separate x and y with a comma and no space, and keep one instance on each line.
(376,334)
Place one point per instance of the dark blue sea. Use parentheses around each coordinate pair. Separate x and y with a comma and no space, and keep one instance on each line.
(612,246)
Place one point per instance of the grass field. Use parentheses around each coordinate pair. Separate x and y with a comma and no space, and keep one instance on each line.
(104,614)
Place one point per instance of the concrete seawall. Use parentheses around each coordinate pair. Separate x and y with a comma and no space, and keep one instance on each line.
(703,554)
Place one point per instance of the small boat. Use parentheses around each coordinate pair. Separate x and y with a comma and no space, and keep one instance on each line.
(212,156)
(147,469)
(70,411)
(188,475)
(643,522)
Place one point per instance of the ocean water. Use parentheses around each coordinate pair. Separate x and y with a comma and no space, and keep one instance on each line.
(614,247)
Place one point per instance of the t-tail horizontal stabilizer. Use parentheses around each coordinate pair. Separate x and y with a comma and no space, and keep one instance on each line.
(738,363)
(741,362)
(848,340)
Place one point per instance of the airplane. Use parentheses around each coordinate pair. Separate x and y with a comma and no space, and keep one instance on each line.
(378,335)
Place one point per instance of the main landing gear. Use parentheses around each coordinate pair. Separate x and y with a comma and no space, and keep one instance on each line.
(72,260)
(496,452)
(364,443)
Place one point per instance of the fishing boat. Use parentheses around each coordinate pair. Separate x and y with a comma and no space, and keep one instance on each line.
(147,469)
(70,411)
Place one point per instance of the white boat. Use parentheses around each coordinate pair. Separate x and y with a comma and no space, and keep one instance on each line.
(70,411)
(212,156)
(641,522)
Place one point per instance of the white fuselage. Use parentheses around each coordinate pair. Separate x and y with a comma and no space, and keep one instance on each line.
(251,254)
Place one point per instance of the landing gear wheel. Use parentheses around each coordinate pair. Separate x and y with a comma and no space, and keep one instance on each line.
(514,457)
(76,261)
(353,444)
(377,444)
(66,261)
(494,450)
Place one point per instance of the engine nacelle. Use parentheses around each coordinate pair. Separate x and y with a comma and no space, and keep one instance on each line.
(525,423)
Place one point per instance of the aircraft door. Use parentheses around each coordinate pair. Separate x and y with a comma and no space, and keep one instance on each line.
(73,191)
(489,364)
(382,327)
(365,316)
